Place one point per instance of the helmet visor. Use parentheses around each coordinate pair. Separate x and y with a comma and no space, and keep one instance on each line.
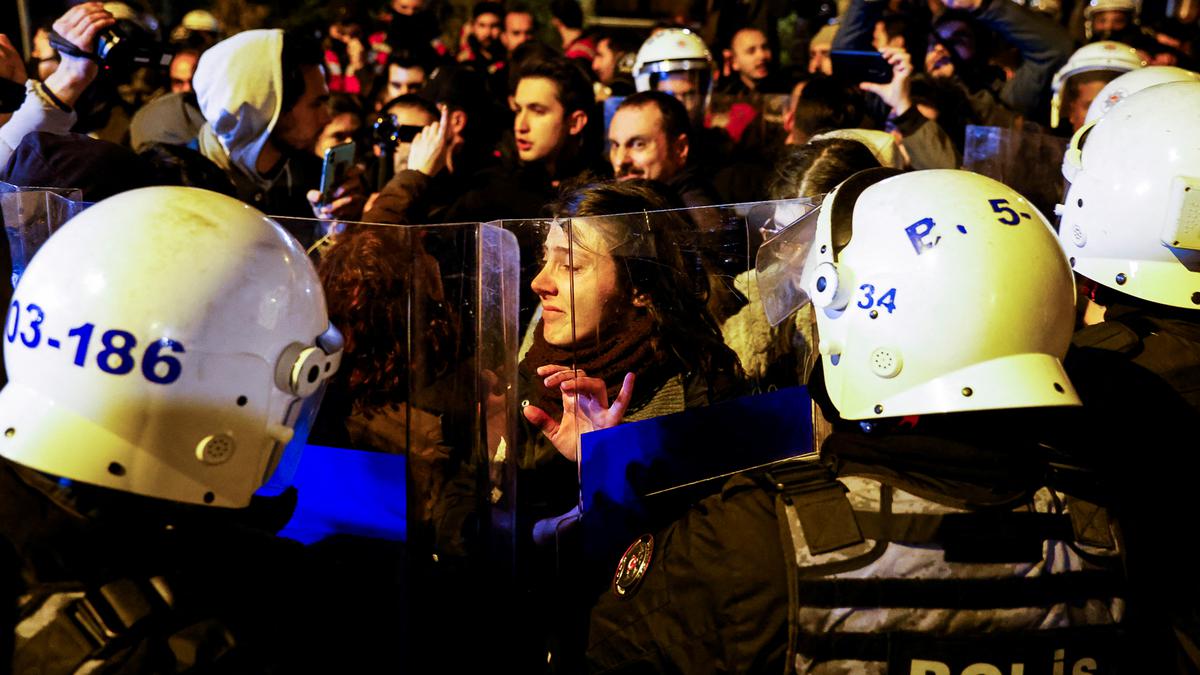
(300,417)
(781,262)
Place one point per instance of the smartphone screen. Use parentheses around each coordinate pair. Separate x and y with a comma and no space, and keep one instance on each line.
(333,173)
(856,66)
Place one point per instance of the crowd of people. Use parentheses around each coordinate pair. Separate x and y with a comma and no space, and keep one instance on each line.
(540,232)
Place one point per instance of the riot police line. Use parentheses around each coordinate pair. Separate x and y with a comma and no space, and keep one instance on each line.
(826,435)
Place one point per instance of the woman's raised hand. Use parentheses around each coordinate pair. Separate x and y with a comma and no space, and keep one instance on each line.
(585,407)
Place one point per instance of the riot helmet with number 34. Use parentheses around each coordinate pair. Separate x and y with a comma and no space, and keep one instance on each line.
(938,291)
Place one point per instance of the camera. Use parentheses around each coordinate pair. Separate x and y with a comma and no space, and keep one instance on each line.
(387,133)
(122,47)
(126,46)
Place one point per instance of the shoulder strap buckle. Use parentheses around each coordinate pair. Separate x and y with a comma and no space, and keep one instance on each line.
(819,500)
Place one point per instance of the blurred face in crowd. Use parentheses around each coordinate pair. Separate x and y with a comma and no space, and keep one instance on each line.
(1111,21)
(818,58)
(577,286)
(183,66)
(299,128)
(1082,89)
(639,146)
(880,39)
(604,64)
(407,7)
(341,129)
(750,55)
(44,52)
(518,29)
(541,124)
(410,120)
(683,85)
(403,81)
(950,35)
(486,29)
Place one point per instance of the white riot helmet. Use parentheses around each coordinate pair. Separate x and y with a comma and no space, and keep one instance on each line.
(197,20)
(203,20)
(1129,220)
(1105,55)
(165,342)
(1095,7)
(671,52)
(938,291)
(1131,83)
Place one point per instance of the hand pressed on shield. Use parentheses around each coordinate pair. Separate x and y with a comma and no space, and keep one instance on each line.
(585,407)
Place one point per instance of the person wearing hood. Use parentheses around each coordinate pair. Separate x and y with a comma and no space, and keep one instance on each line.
(263,95)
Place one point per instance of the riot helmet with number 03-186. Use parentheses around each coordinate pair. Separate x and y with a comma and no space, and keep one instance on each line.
(165,342)
(938,291)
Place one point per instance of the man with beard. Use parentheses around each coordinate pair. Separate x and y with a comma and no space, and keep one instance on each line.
(264,99)
(750,60)
(649,138)
(483,48)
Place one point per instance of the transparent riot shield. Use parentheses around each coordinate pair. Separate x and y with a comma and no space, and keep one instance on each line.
(698,264)
(409,469)
(1028,162)
(31,215)
(636,335)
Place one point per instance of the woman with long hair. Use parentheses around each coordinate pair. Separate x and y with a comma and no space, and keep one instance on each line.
(622,320)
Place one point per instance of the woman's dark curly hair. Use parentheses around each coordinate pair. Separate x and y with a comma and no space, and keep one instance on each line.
(384,295)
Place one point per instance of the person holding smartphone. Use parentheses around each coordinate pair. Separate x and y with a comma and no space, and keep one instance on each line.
(264,98)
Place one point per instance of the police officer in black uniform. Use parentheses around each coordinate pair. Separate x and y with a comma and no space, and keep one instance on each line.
(1128,229)
(927,535)
(161,349)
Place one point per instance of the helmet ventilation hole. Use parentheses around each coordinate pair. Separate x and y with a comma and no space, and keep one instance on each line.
(967,391)
(10,432)
(1059,388)
(216,449)
(116,469)
(242,400)
(209,497)
(885,362)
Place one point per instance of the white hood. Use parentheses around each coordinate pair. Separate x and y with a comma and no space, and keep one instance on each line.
(239,83)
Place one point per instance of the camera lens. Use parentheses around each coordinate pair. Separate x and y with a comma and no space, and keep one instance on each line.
(107,42)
